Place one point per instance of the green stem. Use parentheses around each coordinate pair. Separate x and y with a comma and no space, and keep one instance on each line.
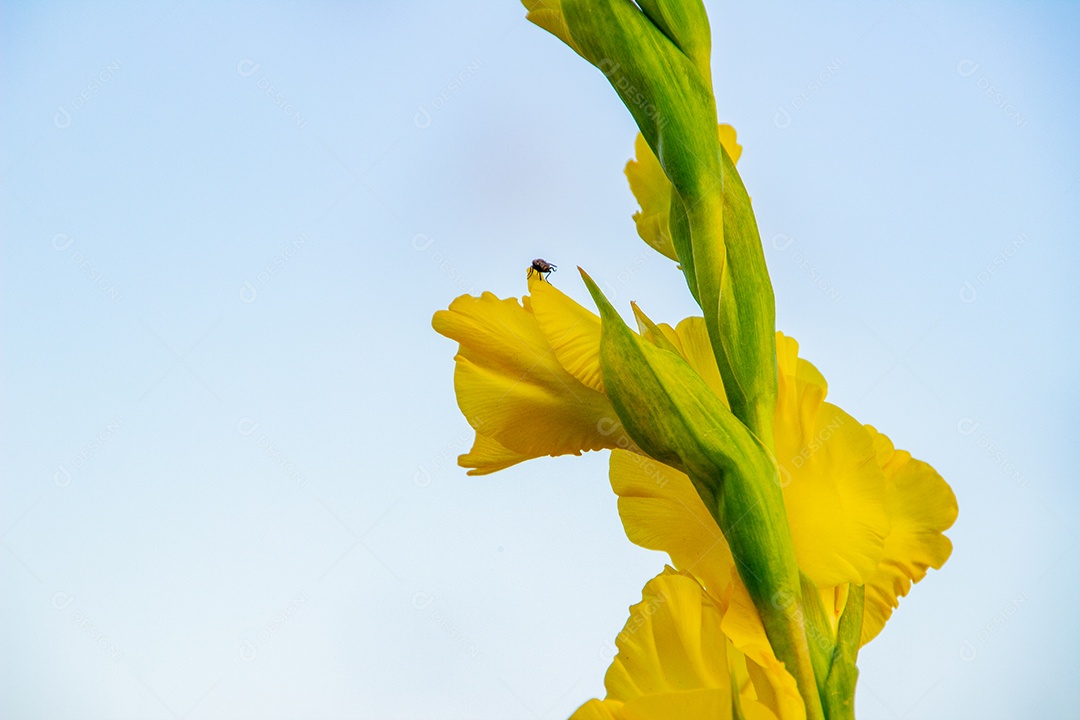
(765,559)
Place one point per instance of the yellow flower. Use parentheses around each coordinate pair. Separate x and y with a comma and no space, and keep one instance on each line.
(794,529)
(527,377)
(860,512)
(652,189)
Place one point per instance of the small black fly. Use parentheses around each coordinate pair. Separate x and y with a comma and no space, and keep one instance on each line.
(542,268)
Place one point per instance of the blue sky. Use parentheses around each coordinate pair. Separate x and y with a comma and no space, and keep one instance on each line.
(229,432)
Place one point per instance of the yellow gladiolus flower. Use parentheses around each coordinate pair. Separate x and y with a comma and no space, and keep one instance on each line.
(860,512)
(527,377)
(652,190)
(794,529)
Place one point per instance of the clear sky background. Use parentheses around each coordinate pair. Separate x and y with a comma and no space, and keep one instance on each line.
(229,433)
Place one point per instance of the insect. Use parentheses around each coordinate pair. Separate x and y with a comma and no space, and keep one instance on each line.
(542,268)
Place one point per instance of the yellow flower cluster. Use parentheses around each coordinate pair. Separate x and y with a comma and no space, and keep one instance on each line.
(792,528)
(860,511)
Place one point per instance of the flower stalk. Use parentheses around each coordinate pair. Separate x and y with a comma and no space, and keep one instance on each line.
(792,528)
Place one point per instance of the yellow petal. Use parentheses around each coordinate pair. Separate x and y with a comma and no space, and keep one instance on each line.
(510,385)
(488,456)
(661,510)
(686,705)
(598,710)
(834,489)
(652,189)
(572,331)
(753,708)
(673,660)
(671,643)
(833,601)
(548,15)
(727,139)
(921,507)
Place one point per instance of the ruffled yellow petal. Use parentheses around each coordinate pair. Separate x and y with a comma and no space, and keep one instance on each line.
(572,331)
(652,189)
(488,456)
(511,386)
(834,489)
(921,506)
(672,642)
(661,510)
(673,660)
